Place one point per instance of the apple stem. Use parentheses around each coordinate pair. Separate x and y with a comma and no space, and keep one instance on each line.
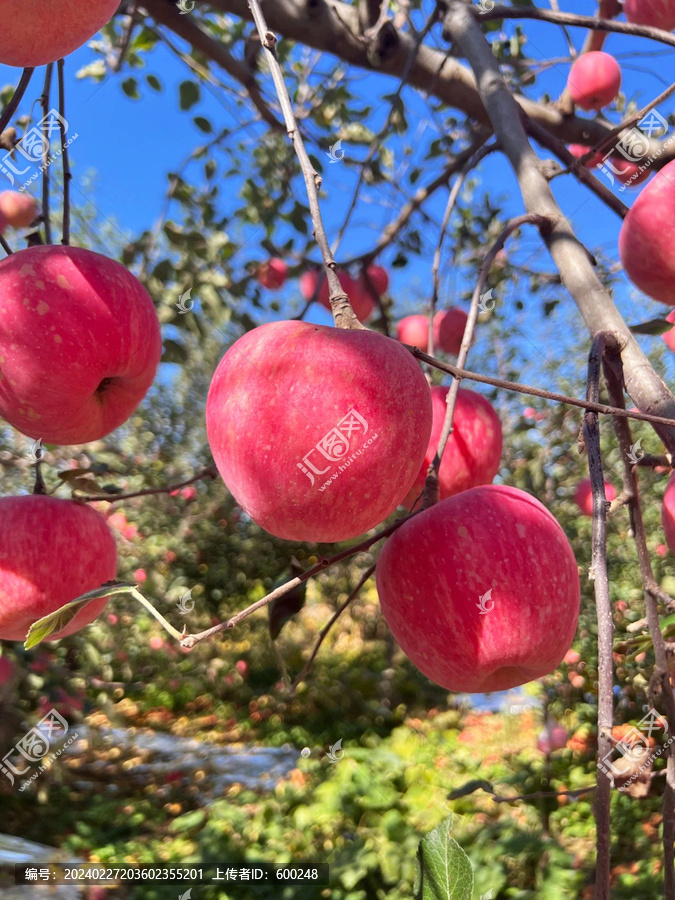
(40,486)
(136,594)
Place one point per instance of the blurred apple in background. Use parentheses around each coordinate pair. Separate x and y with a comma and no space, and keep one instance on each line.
(583,496)
(19,209)
(474,449)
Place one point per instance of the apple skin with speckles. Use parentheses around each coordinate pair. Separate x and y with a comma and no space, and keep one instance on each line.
(51,551)
(646,238)
(474,449)
(79,343)
(658,13)
(433,575)
(35,32)
(286,387)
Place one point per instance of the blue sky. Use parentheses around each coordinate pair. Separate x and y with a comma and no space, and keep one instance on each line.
(132,145)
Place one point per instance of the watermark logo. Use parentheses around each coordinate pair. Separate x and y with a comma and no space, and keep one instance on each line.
(486,303)
(334,447)
(486,604)
(185,7)
(35,745)
(186,604)
(35,148)
(188,894)
(185,303)
(335,753)
(336,154)
(634,148)
(486,6)
(36,451)
(635,749)
(486,896)
(636,453)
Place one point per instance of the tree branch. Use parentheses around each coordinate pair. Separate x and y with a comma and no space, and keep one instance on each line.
(570,256)
(17,96)
(598,573)
(342,311)
(334,28)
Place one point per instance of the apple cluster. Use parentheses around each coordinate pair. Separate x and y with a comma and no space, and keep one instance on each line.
(80,344)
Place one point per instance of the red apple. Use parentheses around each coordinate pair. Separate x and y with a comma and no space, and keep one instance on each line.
(481,591)
(242,667)
(661,550)
(79,343)
(318,432)
(579,150)
(594,80)
(414,330)
(379,279)
(35,32)
(449,329)
(658,13)
(51,551)
(19,209)
(668,513)
(553,737)
(474,449)
(583,496)
(156,642)
(629,173)
(272,274)
(140,575)
(647,235)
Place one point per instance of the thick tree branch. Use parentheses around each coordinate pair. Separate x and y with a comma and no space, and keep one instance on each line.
(334,28)
(10,109)
(572,259)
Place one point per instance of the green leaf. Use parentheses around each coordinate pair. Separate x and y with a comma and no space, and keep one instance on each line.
(203,124)
(444,871)
(654,326)
(58,620)
(154,82)
(130,88)
(189,92)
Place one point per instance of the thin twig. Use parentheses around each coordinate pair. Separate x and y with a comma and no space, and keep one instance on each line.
(431,486)
(67,176)
(342,311)
(44,100)
(626,124)
(191,639)
(598,572)
(613,379)
(17,96)
(564,18)
(518,388)
(333,619)
(5,246)
(209,472)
